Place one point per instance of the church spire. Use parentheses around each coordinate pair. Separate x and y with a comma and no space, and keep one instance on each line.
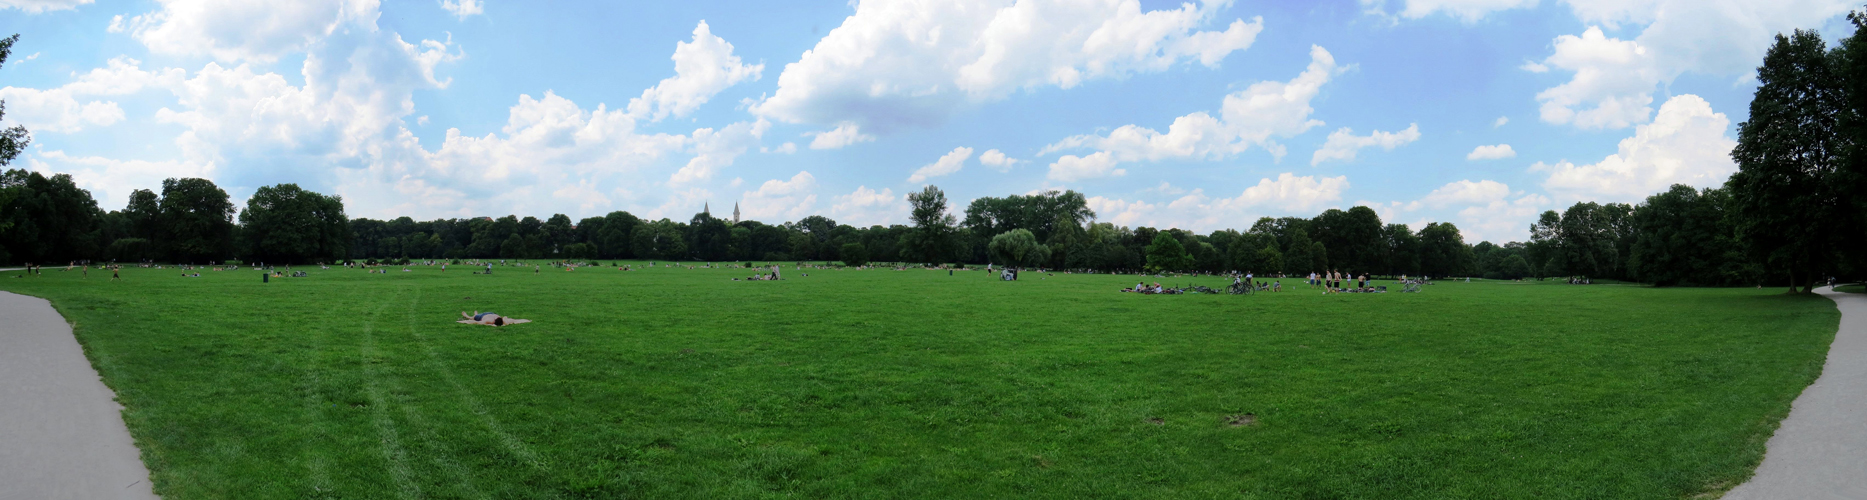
(705,210)
(735,212)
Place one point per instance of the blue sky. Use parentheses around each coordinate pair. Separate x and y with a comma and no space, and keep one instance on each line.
(1202,115)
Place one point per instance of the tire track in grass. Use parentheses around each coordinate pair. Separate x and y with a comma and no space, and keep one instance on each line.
(513,445)
(386,434)
(442,456)
(311,383)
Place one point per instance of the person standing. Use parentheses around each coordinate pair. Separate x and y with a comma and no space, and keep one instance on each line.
(113,274)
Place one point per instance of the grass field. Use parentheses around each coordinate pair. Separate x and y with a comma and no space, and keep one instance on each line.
(679,383)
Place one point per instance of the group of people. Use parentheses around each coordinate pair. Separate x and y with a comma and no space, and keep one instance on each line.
(1337,282)
(761,276)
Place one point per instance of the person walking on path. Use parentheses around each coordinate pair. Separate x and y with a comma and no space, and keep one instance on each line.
(1820,451)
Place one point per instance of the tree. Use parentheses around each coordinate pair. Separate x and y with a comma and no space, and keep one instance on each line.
(1167,254)
(1271,258)
(46,219)
(854,254)
(197,220)
(1443,251)
(1297,255)
(1018,247)
(1787,209)
(13,140)
(1683,237)
(1403,249)
(932,239)
(287,224)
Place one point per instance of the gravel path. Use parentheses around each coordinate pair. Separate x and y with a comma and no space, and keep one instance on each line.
(1820,451)
(61,430)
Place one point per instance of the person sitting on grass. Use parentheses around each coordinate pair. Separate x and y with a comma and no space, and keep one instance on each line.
(491,319)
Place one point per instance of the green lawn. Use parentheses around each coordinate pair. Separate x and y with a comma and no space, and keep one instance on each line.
(679,383)
(1854,288)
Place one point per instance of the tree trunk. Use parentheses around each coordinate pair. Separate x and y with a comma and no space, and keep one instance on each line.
(1792,282)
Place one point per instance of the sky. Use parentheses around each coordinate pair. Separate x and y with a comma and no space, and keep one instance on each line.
(1201,115)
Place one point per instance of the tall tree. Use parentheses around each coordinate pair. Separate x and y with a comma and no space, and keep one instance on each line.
(13,140)
(932,239)
(287,224)
(1442,250)
(1789,212)
(197,220)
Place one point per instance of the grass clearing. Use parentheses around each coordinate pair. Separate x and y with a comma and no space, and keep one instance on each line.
(675,382)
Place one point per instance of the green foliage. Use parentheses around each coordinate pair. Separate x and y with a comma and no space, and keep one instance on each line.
(286,224)
(1167,254)
(1786,196)
(933,239)
(1018,247)
(13,140)
(196,221)
(854,254)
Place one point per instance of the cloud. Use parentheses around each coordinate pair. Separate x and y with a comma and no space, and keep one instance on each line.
(1614,79)
(946,165)
(714,150)
(702,68)
(39,6)
(997,160)
(843,135)
(464,8)
(1469,11)
(1464,192)
(1685,144)
(909,63)
(246,30)
(112,180)
(1071,168)
(56,110)
(1500,121)
(868,207)
(1287,194)
(1343,144)
(1497,152)
(1250,117)
(782,200)
(1612,86)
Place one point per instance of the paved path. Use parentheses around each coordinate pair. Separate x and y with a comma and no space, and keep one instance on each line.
(1820,451)
(61,431)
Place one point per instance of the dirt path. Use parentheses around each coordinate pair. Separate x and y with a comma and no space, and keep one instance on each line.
(1821,450)
(61,431)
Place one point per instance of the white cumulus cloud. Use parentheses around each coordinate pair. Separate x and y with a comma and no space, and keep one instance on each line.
(843,135)
(1612,86)
(782,200)
(236,30)
(1343,144)
(38,6)
(946,165)
(1255,116)
(1074,168)
(702,68)
(868,207)
(914,62)
(1465,10)
(1497,152)
(997,160)
(1195,210)
(1685,144)
(464,8)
